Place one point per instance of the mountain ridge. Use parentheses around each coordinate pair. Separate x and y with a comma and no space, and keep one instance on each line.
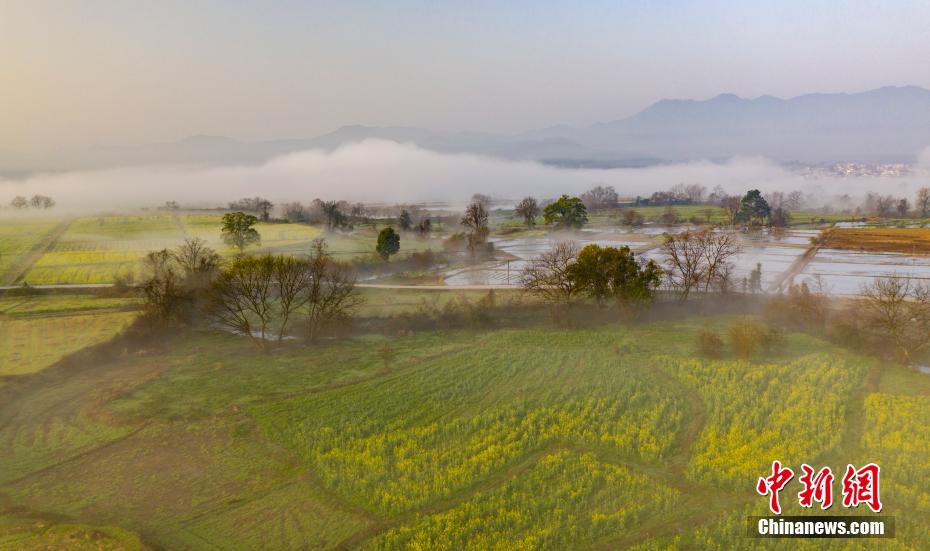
(887,124)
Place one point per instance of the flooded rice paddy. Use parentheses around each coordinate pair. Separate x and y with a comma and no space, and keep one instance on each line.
(839,272)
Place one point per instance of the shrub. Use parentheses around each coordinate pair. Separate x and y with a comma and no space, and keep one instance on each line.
(709,344)
(746,337)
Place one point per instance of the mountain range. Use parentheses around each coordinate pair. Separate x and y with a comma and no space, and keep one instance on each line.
(886,125)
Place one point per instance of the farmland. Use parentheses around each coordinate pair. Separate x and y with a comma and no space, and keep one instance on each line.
(612,436)
(19,237)
(36,331)
(881,239)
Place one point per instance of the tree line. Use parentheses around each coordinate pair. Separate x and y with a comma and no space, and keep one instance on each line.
(38,202)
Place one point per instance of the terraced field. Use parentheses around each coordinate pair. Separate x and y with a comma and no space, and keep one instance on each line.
(538,439)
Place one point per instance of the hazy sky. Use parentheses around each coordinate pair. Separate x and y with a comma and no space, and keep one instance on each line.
(76,73)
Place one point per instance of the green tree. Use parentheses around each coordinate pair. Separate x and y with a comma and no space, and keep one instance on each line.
(753,208)
(238,231)
(606,273)
(567,212)
(388,243)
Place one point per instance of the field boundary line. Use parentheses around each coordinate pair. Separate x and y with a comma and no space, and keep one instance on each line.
(23,267)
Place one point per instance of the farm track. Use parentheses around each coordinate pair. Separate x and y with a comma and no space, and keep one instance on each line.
(23,267)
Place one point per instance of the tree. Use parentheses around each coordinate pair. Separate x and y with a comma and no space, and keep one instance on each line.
(923,201)
(903,207)
(528,208)
(755,279)
(566,212)
(548,276)
(898,308)
(794,200)
(333,215)
(482,199)
(238,231)
(753,208)
(41,202)
(294,212)
(425,227)
(633,218)
(405,221)
(19,202)
(716,249)
(243,297)
(291,280)
(161,290)
(695,193)
(731,204)
(684,261)
(197,261)
(605,273)
(780,217)
(475,221)
(258,205)
(331,296)
(600,197)
(388,243)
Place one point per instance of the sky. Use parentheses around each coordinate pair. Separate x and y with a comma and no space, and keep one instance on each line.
(80,73)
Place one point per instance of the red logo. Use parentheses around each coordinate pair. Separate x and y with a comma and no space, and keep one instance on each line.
(859,486)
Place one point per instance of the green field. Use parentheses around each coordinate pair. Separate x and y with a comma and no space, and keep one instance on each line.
(606,437)
(105,248)
(19,237)
(36,331)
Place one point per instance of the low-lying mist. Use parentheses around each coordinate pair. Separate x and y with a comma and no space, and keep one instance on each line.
(385,171)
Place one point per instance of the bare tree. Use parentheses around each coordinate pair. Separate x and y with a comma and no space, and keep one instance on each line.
(19,202)
(716,249)
(684,261)
(482,199)
(548,276)
(923,201)
(600,197)
(794,200)
(41,202)
(731,204)
(899,309)
(197,261)
(243,297)
(695,193)
(528,208)
(161,288)
(331,294)
(291,280)
(476,221)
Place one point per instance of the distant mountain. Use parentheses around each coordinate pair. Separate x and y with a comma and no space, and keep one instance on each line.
(890,124)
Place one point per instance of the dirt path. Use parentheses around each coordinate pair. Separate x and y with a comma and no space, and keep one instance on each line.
(798,265)
(18,272)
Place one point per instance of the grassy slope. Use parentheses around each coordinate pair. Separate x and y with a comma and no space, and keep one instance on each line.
(604,437)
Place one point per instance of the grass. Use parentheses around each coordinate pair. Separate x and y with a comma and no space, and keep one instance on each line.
(901,240)
(36,331)
(18,237)
(608,437)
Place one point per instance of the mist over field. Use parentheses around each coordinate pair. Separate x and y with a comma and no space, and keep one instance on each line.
(386,171)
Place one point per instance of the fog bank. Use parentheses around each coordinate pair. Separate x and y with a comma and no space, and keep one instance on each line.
(385,171)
